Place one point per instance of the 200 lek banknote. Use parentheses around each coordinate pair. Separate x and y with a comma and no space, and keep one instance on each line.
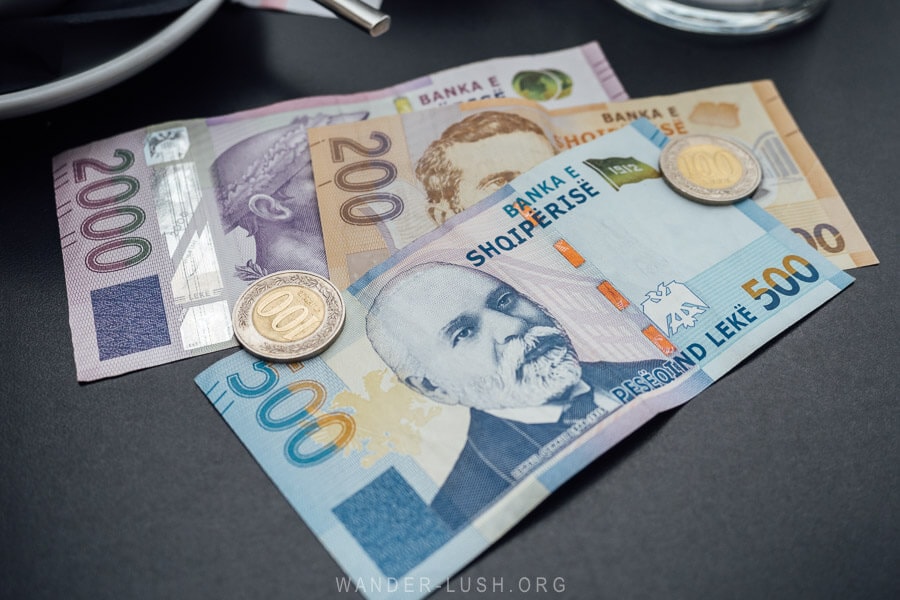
(487,362)
(384,182)
(162,227)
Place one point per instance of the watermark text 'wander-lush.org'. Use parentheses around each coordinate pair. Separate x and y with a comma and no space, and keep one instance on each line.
(530,584)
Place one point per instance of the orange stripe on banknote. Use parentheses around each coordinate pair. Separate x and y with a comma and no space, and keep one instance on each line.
(613,295)
(659,340)
(570,253)
(528,214)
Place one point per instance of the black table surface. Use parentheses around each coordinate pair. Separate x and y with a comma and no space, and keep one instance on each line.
(782,480)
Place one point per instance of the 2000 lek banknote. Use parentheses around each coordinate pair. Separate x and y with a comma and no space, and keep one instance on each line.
(487,362)
(384,182)
(162,227)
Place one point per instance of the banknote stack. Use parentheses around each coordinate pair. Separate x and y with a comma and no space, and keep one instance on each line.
(163,227)
(522,286)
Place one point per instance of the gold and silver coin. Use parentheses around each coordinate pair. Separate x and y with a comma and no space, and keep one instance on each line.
(288,316)
(710,169)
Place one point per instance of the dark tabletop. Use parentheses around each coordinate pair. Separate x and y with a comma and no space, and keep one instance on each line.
(782,480)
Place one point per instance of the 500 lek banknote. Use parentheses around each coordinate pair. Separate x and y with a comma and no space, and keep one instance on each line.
(384,182)
(487,362)
(162,227)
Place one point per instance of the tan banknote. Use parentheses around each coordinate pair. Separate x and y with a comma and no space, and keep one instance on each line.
(384,182)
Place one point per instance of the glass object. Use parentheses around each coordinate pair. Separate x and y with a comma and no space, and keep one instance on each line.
(737,17)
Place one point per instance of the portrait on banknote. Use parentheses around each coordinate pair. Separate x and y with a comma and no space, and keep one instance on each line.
(264,186)
(476,157)
(461,336)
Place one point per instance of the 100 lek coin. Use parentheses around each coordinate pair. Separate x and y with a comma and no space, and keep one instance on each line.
(710,169)
(288,316)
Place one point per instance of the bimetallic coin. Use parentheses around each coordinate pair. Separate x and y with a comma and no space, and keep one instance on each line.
(288,316)
(710,169)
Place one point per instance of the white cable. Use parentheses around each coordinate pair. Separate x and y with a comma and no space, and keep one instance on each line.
(111,72)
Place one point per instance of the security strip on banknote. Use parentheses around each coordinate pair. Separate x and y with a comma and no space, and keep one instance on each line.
(488,361)
(162,228)
(384,182)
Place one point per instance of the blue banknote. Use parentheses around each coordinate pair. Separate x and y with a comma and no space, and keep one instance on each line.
(489,361)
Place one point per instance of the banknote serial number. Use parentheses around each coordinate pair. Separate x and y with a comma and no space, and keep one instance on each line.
(296,407)
(111,221)
(784,281)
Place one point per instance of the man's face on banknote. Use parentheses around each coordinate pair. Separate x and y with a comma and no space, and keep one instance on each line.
(487,165)
(460,336)
(477,156)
